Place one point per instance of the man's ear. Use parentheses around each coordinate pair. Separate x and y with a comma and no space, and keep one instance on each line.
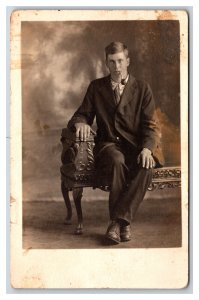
(128,61)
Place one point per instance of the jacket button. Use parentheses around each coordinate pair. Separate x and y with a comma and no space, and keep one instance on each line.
(117,138)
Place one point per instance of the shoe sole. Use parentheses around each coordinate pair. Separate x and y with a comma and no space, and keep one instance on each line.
(112,240)
(125,240)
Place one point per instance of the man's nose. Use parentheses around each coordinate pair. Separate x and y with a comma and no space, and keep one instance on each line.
(117,65)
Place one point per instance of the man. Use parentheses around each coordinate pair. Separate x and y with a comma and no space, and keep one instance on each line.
(127,139)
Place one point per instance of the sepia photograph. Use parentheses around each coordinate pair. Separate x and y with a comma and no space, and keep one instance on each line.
(99,149)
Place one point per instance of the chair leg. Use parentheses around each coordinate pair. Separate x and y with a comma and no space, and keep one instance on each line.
(77,196)
(65,193)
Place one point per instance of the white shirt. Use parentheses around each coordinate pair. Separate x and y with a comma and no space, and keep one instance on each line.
(121,86)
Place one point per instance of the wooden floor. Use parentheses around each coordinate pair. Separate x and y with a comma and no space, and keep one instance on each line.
(157,225)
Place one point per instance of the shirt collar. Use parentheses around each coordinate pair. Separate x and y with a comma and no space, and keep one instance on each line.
(114,83)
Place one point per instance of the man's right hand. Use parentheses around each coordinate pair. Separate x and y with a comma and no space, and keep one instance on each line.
(83,131)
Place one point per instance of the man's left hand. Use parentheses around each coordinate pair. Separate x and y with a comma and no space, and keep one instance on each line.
(145,158)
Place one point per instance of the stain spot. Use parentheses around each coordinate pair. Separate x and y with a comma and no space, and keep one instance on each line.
(25,252)
(46,126)
(32,282)
(164,15)
(12,199)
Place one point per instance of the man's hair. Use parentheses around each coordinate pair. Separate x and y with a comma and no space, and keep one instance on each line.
(116,47)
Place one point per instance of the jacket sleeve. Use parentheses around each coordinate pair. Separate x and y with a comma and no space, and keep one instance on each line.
(149,123)
(86,112)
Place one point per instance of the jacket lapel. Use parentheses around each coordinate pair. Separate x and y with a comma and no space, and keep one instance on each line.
(127,95)
(107,91)
(128,92)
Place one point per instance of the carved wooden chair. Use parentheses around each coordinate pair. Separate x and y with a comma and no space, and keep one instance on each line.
(78,171)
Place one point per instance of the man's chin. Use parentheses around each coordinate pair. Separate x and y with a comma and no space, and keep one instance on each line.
(116,76)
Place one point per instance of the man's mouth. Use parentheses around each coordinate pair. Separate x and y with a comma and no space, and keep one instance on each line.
(118,73)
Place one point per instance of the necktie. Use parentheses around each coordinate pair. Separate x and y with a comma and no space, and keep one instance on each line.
(117,94)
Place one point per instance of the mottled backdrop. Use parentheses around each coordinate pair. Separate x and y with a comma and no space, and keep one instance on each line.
(59,59)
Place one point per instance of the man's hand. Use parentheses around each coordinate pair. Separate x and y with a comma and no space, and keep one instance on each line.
(83,131)
(146,159)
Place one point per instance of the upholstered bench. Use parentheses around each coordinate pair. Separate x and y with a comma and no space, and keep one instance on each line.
(78,171)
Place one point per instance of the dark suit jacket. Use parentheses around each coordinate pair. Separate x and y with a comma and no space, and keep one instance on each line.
(133,119)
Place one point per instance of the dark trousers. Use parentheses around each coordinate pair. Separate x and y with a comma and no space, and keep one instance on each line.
(129,181)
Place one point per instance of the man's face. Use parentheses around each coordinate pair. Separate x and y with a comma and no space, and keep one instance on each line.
(117,64)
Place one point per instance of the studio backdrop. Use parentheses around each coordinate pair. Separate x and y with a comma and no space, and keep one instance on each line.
(59,59)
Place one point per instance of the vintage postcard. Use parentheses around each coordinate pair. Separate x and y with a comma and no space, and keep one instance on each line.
(91,91)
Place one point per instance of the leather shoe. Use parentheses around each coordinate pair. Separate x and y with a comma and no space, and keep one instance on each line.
(113,232)
(125,233)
